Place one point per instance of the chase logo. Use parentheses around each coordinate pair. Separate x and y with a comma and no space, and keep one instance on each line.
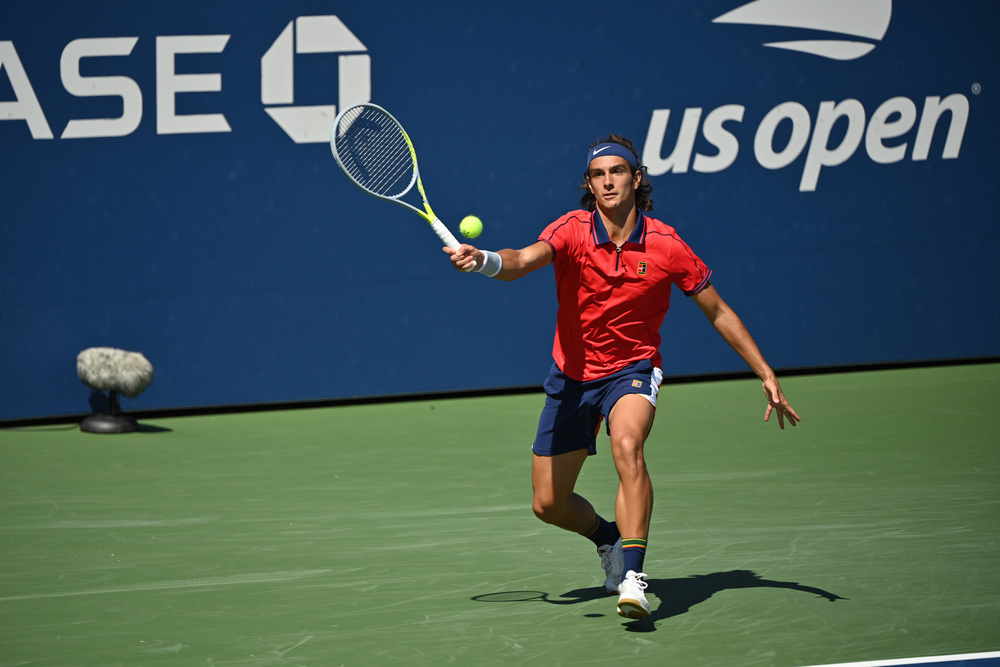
(302,123)
(867,19)
(312,34)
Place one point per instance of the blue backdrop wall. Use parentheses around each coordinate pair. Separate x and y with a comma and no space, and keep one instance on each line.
(166,185)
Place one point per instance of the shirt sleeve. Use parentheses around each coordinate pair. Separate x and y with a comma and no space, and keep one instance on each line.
(691,274)
(560,232)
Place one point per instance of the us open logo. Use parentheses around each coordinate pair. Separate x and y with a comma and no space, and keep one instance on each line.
(899,128)
(856,19)
(313,34)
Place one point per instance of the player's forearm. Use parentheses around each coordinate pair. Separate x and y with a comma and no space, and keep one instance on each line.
(513,266)
(733,331)
(518,263)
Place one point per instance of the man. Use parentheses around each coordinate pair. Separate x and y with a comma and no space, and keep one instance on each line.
(614,269)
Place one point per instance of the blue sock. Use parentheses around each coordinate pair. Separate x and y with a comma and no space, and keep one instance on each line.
(635,554)
(602,532)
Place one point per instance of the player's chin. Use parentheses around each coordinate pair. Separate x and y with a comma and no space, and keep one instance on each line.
(613,203)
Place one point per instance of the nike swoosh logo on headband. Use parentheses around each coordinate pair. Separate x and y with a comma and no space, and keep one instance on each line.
(603,148)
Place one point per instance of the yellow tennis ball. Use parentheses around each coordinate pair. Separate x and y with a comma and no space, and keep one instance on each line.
(471,226)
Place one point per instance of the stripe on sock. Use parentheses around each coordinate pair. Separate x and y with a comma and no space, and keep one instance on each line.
(593,529)
(633,543)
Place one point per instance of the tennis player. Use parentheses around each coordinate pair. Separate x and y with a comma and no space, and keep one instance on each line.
(614,267)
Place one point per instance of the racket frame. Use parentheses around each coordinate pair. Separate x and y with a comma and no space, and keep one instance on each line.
(427,214)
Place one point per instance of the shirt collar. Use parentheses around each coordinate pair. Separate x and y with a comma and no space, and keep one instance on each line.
(600,232)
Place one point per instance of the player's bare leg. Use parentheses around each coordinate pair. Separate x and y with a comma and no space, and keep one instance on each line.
(553,479)
(630,421)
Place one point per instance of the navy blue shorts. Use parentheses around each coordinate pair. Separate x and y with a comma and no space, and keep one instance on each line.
(571,418)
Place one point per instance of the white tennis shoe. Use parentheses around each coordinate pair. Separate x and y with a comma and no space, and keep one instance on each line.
(613,562)
(632,601)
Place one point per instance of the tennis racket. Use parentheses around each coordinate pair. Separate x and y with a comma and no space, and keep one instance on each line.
(375,152)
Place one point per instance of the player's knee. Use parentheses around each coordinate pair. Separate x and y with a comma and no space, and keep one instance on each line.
(629,458)
(547,510)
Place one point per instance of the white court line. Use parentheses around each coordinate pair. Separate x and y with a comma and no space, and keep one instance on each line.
(917,661)
(252,578)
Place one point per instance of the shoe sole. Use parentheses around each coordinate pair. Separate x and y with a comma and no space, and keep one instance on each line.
(632,609)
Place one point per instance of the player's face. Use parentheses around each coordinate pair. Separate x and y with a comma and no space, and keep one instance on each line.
(612,182)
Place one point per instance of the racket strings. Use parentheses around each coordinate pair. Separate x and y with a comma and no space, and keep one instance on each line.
(375,153)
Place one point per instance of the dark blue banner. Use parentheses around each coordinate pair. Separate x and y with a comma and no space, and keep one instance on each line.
(167,187)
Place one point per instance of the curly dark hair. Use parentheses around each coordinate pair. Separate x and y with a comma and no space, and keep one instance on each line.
(643,193)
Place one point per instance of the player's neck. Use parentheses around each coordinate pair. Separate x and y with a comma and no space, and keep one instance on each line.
(619,223)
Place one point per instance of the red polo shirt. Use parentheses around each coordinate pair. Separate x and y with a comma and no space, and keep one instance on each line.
(612,301)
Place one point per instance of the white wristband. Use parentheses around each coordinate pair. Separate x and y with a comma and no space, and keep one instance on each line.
(492,263)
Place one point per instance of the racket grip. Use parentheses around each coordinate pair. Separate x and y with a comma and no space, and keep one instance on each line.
(444,234)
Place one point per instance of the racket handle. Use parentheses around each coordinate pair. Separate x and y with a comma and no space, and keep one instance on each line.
(444,234)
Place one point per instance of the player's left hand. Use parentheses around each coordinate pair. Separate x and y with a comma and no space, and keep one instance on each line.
(776,401)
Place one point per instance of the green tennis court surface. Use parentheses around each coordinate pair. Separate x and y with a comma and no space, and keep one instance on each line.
(402,534)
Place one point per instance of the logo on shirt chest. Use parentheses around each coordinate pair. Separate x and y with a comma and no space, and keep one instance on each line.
(641,269)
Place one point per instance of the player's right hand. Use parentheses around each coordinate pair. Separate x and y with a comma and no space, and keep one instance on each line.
(466,258)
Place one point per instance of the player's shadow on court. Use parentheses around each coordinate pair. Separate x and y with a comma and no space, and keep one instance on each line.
(676,596)
(667,597)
